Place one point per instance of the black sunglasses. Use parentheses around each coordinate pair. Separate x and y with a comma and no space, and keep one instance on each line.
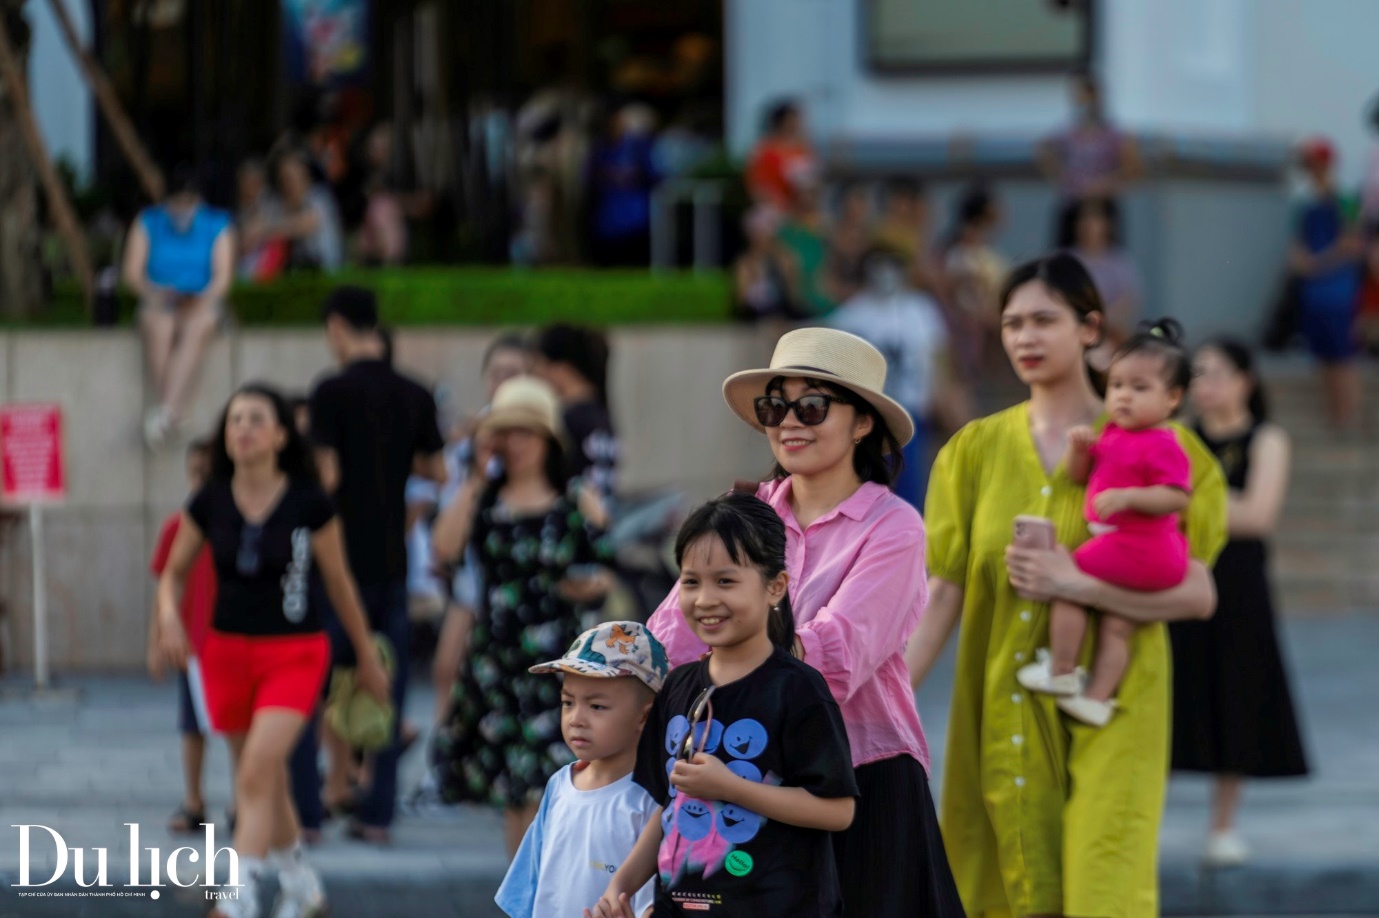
(812,410)
(701,710)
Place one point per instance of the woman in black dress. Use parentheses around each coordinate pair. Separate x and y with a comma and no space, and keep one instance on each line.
(533,533)
(1232,711)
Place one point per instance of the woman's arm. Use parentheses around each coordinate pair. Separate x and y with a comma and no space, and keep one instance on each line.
(171,636)
(636,870)
(1254,512)
(935,627)
(300,225)
(451,529)
(222,265)
(873,611)
(328,547)
(708,778)
(1052,574)
(135,268)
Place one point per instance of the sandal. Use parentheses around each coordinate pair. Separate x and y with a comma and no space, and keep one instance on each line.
(185,820)
(374,835)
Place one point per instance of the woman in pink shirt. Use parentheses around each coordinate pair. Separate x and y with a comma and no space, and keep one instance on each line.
(855,556)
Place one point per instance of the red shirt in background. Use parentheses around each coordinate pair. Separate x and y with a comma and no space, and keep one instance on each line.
(776,170)
(198,597)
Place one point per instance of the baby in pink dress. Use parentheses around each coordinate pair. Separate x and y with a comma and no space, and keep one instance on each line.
(1138,479)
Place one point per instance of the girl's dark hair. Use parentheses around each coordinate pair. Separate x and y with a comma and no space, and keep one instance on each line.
(973,207)
(751,532)
(878,457)
(780,112)
(1163,338)
(1064,276)
(294,459)
(507,341)
(1242,358)
(1073,212)
(585,349)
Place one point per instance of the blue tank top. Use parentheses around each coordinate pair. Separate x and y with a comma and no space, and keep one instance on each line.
(181,258)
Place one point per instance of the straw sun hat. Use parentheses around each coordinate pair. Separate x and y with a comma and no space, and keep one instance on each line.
(526,402)
(827,355)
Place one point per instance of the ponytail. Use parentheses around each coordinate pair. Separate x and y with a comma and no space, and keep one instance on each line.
(780,626)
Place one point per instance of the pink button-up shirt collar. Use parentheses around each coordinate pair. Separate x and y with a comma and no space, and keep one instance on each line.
(857,587)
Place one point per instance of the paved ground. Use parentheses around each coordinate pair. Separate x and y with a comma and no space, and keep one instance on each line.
(103,753)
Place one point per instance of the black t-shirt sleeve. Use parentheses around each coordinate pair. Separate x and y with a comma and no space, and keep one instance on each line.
(199,508)
(815,744)
(326,417)
(429,439)
(317,509)
(650,773)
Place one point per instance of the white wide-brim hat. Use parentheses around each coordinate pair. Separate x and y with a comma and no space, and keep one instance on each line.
(526,402)
(827,355)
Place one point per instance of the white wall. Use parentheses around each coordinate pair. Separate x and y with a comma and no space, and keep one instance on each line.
(1316,68)
(1223,68)
(813,50)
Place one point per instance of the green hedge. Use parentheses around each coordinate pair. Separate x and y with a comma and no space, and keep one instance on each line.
(469,296)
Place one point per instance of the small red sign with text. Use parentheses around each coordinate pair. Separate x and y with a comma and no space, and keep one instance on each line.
(31,453)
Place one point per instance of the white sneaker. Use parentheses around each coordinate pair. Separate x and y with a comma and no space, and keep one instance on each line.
(246,906)
(1038,677)
(157,426)
(300,894)
(1225,849)
(1090,712)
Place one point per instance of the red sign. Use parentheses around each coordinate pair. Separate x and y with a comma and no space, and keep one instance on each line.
(31,453)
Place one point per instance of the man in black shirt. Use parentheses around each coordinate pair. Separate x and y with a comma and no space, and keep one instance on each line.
(372,428)
(574,360)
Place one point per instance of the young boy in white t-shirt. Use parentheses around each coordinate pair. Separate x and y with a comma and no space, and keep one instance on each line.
(592,812)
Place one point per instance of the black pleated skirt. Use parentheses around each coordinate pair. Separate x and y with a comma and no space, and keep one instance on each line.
(1232,709)
(891,861)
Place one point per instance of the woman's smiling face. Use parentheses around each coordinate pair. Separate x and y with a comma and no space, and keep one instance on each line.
(806,450)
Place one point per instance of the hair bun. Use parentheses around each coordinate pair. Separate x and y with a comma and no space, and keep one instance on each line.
(1170,330)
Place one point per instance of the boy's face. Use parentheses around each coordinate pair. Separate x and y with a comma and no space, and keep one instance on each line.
(602,718)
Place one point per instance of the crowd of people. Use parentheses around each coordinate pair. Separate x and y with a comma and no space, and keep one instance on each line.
(755,744)
(753,747)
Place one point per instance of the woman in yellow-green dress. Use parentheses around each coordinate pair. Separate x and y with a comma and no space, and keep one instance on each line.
(1043,815)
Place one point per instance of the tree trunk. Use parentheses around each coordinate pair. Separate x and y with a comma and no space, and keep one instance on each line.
(21,237)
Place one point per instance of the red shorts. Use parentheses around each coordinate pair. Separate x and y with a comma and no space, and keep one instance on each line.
(244,673)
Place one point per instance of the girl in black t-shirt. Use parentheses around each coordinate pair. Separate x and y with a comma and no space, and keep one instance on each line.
(267,521)
(744,750)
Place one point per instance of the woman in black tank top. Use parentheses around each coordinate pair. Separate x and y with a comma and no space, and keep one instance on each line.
(1233,715)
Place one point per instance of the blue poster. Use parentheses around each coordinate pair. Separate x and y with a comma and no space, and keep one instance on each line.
(326,42)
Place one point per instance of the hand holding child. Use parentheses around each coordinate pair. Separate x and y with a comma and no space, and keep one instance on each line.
(705,777)
(614,904)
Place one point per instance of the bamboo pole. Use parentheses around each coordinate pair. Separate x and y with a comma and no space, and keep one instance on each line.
(125,134)
(61,208)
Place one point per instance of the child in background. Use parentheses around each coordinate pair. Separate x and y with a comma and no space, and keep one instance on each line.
(592,813)
(1138,480)
(198,601)
(745,750)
